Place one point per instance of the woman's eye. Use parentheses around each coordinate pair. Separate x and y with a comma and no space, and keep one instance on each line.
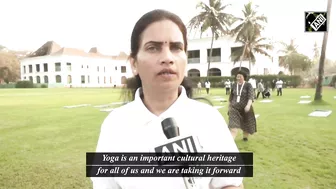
(177,48)
(152,48)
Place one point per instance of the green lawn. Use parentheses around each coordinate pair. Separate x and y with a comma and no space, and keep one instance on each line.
(43,145)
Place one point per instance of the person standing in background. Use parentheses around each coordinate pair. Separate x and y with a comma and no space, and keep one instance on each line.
(227,86)
(273,84)
(279,84)
(261,89)
(253,82)
(241,113)
(199,87)
(207,86)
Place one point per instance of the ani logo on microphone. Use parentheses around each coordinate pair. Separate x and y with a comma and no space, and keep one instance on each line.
(316,21)
(184,145)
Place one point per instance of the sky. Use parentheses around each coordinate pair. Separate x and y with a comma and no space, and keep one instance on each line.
(107,24)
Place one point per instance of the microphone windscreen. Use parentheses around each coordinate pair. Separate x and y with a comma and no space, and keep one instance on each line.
(170,128)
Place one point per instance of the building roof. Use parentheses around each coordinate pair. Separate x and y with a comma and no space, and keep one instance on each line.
(52,48)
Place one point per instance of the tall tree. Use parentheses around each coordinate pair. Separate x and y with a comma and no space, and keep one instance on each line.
(9,67)
(318,92)
(288,50)
(252,21)
(213,17)
(252,44)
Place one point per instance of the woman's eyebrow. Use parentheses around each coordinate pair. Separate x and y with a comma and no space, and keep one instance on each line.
(162,42)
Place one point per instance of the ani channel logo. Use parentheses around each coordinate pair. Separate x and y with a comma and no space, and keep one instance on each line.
(316,21)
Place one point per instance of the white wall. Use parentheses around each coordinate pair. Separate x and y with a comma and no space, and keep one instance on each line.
(226,65)
(85,66)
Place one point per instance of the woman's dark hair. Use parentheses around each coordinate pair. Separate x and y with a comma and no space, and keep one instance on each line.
(244,74)
(134,83)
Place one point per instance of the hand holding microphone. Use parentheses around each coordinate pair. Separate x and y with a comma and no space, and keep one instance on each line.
(171,130)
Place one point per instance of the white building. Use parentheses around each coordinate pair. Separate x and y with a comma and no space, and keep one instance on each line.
(221,63)
(65,67)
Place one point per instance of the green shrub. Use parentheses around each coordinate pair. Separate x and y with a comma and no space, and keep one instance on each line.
(44,86)
(10,85)
(24,84)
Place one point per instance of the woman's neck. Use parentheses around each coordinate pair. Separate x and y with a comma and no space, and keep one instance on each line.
(159,102)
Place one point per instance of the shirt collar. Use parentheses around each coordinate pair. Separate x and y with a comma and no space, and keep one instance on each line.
(175,108)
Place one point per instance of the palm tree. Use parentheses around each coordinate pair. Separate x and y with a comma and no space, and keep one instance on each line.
(318,92)
(252,44)
(212,17)
(288,50)
(251,21)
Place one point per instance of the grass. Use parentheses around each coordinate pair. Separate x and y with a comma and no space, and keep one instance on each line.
(43,145)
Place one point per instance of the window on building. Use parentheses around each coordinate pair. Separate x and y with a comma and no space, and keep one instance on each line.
(234,50)
(24,69)
(98,79)
(216,55)
(123,69)
(97,68)
(82,79)
(69,79)
(123,80)
(194,56)
(68,66)
(58,79)
(38,79)
(266,72)
(45,67)
(281,60)
(46,80)
(30,67)
(37,67)
(88,79)
(104,69)
(31,78)
(57,67)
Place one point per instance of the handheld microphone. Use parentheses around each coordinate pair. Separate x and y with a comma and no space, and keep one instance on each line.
(171,130)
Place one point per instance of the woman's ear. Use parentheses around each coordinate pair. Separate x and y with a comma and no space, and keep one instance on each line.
(134,66)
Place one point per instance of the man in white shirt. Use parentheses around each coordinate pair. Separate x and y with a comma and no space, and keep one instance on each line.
(227,86)
(253,82)
(207,86)
(279,84)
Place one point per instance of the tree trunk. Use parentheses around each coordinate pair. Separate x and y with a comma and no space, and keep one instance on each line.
(249,67)
(209,61)
(318,92)
(242,57)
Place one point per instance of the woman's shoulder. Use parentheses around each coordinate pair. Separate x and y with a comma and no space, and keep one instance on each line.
(120,113)
(199,107)
(248,84)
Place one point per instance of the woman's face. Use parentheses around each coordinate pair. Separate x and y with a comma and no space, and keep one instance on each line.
(240,77)
(161,59)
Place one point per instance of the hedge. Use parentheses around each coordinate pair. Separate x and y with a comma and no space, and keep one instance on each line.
(6,86)
(29,84)
(218,81)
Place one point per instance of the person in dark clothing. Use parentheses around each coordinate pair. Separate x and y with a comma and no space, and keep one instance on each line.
(241,113)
